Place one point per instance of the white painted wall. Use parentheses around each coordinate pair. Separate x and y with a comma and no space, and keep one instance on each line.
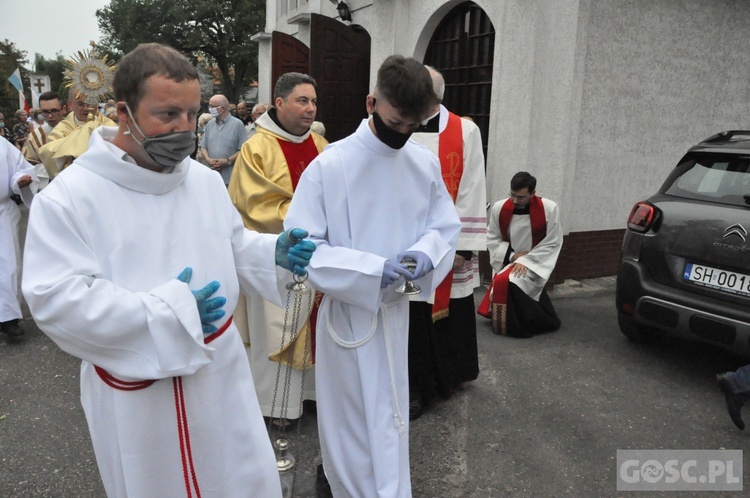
(597,98)
(658,77)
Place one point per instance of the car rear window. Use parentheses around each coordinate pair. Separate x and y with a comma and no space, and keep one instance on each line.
(721,178)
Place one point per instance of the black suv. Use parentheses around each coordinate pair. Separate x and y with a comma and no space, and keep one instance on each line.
(685,266)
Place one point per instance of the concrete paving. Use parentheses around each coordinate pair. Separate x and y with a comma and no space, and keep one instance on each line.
(545,417)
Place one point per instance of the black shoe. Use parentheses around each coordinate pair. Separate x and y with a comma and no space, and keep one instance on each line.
(322,488)
(310,406)
(416,407)
(734,400)
(11,328)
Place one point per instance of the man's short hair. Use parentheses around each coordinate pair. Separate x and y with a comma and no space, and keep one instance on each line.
(50,95)
(523,180)
(287,81)
(406,85)
(146,60)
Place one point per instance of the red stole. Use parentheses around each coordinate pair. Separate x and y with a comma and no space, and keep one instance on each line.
(538,220)
(451,155)
(497,294)
(298,156)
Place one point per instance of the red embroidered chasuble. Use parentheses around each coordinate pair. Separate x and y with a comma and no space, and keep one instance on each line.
(494,304)
(451,155)
(298,156)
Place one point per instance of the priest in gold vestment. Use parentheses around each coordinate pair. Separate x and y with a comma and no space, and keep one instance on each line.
(70,138)
(262,184)
(89,78)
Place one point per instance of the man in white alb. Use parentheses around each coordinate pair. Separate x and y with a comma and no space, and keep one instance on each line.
(371,201)
(133,253)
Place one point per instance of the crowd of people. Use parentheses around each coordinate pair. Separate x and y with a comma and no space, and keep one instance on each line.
(167,276)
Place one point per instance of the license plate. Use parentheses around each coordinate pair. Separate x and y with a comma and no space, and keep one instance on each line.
(725,281)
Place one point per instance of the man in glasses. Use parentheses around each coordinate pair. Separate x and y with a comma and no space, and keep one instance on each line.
(524,237)
(222,138)
(50,105)
(70,137)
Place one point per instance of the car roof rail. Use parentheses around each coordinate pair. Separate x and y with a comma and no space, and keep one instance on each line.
(726,136)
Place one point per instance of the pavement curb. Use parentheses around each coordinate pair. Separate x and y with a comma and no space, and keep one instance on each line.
(584,288)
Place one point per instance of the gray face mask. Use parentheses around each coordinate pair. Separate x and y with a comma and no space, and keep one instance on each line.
(168,149)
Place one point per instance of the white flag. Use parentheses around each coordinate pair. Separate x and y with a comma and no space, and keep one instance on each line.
(15,80)
(40,83)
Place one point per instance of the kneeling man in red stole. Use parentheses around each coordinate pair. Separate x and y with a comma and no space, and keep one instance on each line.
(524,238)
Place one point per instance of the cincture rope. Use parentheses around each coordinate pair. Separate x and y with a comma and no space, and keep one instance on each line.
(183,431)
(398,420)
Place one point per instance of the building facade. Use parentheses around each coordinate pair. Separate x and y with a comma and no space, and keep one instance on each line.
(597,99)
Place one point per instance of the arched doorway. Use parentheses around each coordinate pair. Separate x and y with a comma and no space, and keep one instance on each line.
(462,49)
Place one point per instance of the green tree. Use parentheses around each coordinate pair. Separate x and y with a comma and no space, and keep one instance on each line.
(11,58)
(53,68)
(217,31)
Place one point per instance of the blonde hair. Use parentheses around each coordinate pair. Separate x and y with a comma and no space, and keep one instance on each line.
(204,119)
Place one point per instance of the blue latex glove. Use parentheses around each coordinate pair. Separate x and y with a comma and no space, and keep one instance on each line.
(424,263)
(208,309)
(392,272)
(292,252)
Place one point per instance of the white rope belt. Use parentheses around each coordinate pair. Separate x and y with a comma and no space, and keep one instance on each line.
(398,420)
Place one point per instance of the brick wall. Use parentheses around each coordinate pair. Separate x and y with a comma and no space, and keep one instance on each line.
(589,255)
(583,255)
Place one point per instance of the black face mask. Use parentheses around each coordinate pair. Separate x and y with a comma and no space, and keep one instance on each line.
(391,138)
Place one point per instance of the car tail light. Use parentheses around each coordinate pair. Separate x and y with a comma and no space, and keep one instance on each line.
(642,217)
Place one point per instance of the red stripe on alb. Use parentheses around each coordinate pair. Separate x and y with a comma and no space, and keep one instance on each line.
(183,431)
(122,385)
(180,433)
(218,333)
(186,450)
